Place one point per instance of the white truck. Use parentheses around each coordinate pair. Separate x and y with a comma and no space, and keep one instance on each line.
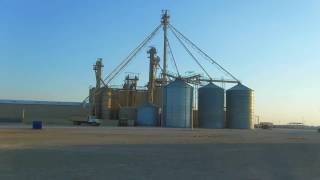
(91,120)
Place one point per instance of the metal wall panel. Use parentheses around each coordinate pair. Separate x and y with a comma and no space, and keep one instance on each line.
(128,113)
(147,115)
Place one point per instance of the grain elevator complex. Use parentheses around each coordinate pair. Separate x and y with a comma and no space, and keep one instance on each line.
(170,99)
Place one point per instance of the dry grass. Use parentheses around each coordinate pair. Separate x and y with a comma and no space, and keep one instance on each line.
(61,136)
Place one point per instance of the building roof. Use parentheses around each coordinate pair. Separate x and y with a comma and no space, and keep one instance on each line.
(29,102)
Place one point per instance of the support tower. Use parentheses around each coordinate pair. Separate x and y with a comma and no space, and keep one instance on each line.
(154,61)
(165,22)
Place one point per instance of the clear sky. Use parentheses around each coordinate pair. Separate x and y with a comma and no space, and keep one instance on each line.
(47,48)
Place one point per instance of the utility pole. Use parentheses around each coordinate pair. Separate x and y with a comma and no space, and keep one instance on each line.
(165,22)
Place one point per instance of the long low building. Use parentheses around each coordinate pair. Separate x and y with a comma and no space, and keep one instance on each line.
(49,112)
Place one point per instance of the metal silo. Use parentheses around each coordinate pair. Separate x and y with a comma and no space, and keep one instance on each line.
(91,101)
(240,108)
(147,115)
(177,107)
(211,106)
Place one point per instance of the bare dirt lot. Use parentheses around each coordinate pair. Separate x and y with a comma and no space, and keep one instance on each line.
(157,153)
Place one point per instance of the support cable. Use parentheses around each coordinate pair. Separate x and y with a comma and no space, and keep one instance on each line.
(161,69)
(125,62)
(189,52)
(130,56)
(202,52)
(173,59)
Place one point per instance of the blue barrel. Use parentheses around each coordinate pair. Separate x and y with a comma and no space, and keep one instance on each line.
(36,124)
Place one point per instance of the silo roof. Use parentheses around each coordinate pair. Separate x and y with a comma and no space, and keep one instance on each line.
(211,85)
(239,87)
(179,82)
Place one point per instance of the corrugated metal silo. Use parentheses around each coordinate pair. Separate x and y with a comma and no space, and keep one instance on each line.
(106,103)
(240,108)
(211,106)
(147,115)
(177,107)
(91,100)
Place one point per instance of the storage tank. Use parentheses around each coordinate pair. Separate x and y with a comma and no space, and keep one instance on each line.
(128,113)
(91,101)
(240,108)
(211,106)
(147,115)
(177,107)
(106,103)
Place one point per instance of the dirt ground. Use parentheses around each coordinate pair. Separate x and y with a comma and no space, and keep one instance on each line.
(157,153)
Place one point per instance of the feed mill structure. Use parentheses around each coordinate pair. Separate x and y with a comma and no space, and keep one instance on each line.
(170,99)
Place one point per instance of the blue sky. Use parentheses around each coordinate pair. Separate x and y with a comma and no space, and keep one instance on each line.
(47,48)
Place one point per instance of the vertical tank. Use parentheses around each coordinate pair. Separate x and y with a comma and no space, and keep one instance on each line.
(177,107)
(211,106)
(106,103)
(147,115)
(128,113)
(91,101)
(240,108)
